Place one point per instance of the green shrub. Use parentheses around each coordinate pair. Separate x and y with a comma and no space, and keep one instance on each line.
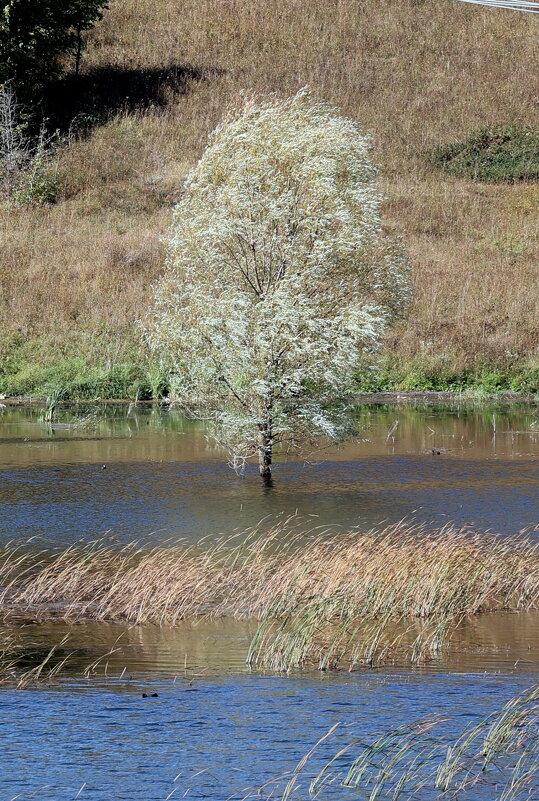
(38,184)
(526,380)
(505,153)
(434,379)
(118,382)
(492,380)
(412,378)
(418,377)
(76,380)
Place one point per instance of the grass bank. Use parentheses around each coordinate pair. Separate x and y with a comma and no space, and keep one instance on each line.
(78,379)
(324,601)
(425,375)
(156,78)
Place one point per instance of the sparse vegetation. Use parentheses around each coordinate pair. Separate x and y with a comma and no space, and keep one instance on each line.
(75,276)
(27,164)
(509,153)
(22,665)
(496,758)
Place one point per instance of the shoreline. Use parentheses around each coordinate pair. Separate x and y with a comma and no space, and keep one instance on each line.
(390,396)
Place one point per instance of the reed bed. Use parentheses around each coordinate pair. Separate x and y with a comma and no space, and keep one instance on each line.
(322,598)
(496,759)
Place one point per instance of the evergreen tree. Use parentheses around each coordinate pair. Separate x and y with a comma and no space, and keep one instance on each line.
(35,34)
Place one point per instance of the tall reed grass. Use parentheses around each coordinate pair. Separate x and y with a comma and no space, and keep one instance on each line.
(496,759)
(322,598)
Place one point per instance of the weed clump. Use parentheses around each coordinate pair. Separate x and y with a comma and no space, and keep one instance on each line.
(501,154)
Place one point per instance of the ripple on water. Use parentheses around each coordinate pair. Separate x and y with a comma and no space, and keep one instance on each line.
(214,727)
(237,730)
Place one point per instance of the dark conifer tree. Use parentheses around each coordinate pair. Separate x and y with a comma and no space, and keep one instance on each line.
(37,35)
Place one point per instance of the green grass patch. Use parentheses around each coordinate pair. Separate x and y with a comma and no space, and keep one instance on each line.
(74,379)
(505,153)
(418,377)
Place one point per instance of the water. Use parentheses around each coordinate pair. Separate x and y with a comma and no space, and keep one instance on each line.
(498,642)
(215,727)
(232,731)
(163,478)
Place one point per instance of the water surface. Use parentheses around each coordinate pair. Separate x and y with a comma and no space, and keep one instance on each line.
(214,738)
(163,477)
(216,728)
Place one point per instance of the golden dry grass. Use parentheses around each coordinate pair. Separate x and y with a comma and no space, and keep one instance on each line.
(415,73)
(322,599)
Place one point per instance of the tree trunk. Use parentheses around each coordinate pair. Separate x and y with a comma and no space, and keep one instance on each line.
(264,457)
(78,53)
(265,451)
(265,440)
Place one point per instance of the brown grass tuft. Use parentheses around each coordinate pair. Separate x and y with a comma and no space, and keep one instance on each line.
(320,598)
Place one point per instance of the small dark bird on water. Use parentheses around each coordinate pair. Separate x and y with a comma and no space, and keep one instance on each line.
(152,695)
(103,467)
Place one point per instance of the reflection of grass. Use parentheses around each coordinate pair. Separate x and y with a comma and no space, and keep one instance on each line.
(25,663)
(496,759)
(321,600)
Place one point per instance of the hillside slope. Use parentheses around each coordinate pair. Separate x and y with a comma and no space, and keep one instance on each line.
(157,76)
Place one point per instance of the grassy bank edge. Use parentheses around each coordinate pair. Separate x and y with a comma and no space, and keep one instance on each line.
(138,380)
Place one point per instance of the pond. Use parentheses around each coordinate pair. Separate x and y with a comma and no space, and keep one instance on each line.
(216,728)
(163,478)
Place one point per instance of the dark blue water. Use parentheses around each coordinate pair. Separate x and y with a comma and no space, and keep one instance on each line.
(192,499)
(239,730)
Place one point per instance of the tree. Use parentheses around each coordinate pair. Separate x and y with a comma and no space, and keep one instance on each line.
(34,34)
(278,286)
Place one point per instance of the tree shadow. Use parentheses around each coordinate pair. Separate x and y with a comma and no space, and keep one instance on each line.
(79,102)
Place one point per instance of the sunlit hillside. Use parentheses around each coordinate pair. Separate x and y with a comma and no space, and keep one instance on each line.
(157,76)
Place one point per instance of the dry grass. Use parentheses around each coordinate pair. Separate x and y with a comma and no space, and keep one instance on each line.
(416,73)
(321,599)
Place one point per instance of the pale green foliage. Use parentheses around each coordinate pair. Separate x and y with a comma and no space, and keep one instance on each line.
(277,286)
